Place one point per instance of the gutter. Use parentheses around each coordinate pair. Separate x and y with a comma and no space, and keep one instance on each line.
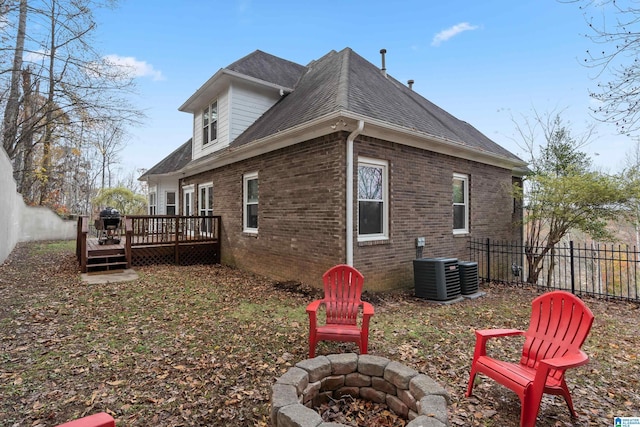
(349,193)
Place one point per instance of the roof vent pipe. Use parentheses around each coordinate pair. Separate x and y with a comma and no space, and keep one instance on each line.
(384,68)
(410,83)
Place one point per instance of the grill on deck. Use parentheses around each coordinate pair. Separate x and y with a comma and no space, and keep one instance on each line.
(107,226)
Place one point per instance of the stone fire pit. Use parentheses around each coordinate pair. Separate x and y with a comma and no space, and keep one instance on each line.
(311,382)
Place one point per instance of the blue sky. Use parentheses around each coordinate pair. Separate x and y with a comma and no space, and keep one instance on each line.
(486,62)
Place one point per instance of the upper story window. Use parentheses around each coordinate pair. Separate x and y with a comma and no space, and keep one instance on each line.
(250,211)
(460,203)
(372,199)
(210,123)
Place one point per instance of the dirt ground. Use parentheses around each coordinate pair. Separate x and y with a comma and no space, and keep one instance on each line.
(202,345)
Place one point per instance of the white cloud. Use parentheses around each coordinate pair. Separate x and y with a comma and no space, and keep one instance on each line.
(445,35)
(134,67)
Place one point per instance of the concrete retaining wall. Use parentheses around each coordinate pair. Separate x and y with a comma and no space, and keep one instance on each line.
(22,223)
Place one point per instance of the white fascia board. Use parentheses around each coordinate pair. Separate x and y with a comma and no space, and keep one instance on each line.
(348,121)
(217,83)
(389,132)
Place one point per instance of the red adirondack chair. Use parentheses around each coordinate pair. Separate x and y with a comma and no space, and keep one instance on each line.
(560,322)
(101,419)
(342,292)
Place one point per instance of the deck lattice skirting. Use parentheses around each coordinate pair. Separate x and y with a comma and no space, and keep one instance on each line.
(311,382)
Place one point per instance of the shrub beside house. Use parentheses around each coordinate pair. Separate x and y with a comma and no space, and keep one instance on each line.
(334,162)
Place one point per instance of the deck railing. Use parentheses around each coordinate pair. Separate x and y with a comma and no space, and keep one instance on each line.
(153,230)
(151,239)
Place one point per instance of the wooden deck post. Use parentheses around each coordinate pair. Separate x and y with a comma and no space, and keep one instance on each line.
(177,240)
(128,236)
(81,243)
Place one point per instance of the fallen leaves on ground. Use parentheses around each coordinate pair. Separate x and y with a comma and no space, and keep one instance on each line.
(357,412)
(202,345)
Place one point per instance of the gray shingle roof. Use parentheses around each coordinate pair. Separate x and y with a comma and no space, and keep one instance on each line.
(173,162)
(269,68)
(346,81)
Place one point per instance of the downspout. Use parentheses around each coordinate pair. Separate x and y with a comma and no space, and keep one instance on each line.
(349,193)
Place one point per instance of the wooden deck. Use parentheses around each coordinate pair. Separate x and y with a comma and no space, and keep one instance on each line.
(148,240)
(93,245)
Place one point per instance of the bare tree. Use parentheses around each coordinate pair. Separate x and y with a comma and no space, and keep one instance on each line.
(615,27)
(66,87)
(632,175)
(108,143)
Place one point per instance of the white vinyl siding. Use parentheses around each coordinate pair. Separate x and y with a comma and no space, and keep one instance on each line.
(222,140)
(239,107)
(160,188)
(247,105)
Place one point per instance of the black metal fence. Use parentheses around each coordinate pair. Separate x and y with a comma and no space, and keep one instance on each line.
(601,270)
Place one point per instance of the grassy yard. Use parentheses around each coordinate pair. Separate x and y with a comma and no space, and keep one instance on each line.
(201,346)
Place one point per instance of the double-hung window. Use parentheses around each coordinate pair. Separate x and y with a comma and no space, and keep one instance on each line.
(210,123)
(152,203)
(460,203)
(250,210)
(372,199)
(171,202)
(187,200)
(205,206)
(187,206)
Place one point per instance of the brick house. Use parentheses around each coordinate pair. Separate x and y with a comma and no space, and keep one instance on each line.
(335,162)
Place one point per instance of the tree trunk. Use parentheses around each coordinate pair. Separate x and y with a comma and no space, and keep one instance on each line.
(26,144)
(13,101)
(45,172)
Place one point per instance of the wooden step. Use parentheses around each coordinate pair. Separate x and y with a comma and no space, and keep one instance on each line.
(107,260)
(105,256)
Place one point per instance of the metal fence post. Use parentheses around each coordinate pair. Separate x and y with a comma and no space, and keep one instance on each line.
(488,260)
(573,276)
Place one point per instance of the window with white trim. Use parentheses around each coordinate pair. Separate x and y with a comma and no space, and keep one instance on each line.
(152,203)
(187,207)
(250,204)
(460,203)
(205,206)
(210,123)
(171,203)
(187,200)
(372,199)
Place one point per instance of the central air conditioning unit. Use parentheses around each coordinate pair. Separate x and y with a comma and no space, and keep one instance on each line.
(436,278)
(468,277)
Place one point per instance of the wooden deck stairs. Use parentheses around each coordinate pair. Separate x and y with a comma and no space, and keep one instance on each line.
(105,258)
